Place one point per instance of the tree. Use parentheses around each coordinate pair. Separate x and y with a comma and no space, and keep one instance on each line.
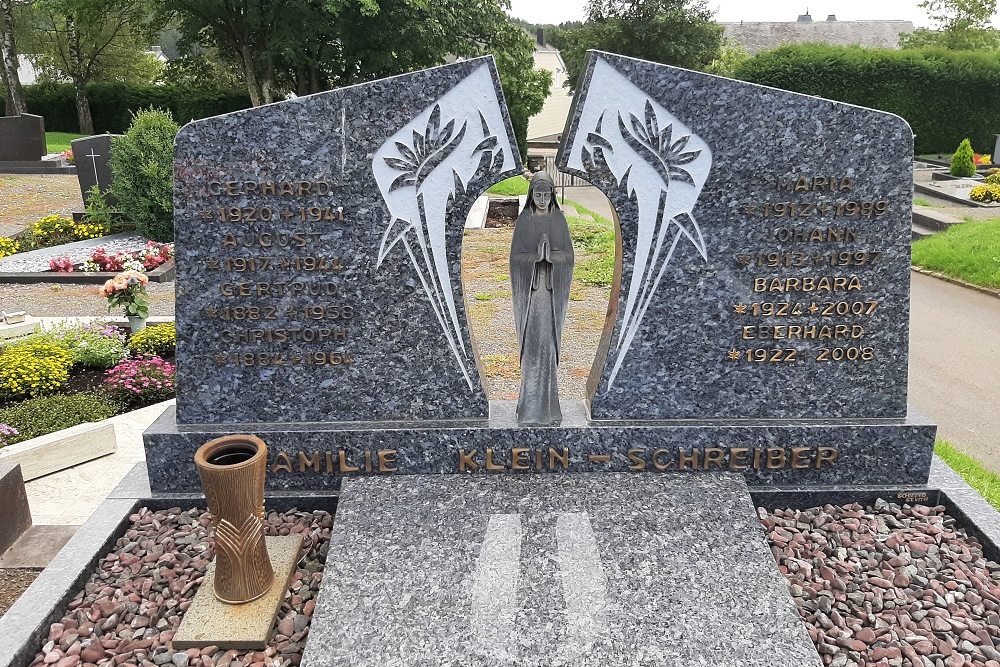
(962,25)
(307,46)
(731,56)
(672,32)
(8,61)
(84,39)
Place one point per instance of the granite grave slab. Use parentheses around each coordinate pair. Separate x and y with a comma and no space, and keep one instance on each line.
(582,570)
(338,332)
(765,246)
(92,156)
(22,138)
(318,245)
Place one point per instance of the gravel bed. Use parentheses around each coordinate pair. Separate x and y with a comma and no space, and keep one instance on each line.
(70,300)
(13,582)
(38,261)
(135,600)
(889,585)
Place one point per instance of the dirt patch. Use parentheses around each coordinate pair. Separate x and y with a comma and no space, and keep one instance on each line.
(502,213)
(13,582)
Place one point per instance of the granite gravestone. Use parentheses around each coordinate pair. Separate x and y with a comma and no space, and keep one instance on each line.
(765,247)
(324,329)
(92,156)
(22,138)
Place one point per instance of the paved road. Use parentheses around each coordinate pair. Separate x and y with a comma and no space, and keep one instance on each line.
(955,364)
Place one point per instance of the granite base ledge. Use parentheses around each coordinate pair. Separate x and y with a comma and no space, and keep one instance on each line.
(317,456)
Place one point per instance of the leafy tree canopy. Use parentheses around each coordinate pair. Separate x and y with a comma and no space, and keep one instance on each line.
(672,32)
(962,25)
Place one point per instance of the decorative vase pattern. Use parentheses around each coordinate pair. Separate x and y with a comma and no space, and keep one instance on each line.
(232,470)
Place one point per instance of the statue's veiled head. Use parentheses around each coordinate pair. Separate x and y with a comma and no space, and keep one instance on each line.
(541,194)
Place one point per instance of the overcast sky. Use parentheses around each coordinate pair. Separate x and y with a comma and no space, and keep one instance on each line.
(557,11)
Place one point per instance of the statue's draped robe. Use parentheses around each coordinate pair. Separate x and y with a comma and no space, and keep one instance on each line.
(541,295)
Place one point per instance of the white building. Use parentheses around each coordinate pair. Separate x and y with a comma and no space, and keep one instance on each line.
(546,127)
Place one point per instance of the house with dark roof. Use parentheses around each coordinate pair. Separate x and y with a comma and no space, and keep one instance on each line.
(757,36)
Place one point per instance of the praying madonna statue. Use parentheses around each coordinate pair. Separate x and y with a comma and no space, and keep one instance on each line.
(541,270)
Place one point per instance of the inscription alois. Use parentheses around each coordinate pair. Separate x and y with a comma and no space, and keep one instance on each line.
(563,459)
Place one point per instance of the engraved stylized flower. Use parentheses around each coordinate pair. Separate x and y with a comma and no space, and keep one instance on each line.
(427,151)
(663,154)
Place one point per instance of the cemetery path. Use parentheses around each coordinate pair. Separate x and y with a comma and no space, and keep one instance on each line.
(24,198)
(64,300)
(954,357)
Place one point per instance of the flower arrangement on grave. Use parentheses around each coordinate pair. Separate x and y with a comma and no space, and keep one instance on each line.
(992,178)
(68,156)
(144,380)
(982,158)
(52,230)
(154,340)
(986,194)
(61,265)
(150,257)
(127,290)
(33,367)
(8,246)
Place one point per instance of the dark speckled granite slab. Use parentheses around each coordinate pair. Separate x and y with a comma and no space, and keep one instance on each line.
(318,251)
(791,453)
(577,570)
(704,172)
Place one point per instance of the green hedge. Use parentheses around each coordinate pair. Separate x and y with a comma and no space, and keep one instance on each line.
(111,104)
(946,96)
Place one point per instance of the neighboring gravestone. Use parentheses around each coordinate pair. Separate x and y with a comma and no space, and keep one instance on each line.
(92,156)
(765,265)
(318,251)
(22,138)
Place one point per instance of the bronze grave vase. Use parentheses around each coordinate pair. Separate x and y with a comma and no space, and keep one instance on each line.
(232,470)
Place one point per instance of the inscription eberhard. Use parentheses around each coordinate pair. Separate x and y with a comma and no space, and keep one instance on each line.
(561,459)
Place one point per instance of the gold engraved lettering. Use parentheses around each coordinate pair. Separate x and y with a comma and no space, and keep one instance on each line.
(738,458)
(636,461)
(713,455)
(282,463)
(800,460)
(519,458)
(489,461)
(387,460)
(689,461)
(467,460)
(330,469)
(538,460)
(658,463)
(307,462)
(775,458)
(826,455)
(561,457)
(344,465)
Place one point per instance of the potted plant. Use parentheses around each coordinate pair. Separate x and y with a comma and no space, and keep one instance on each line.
(127,290)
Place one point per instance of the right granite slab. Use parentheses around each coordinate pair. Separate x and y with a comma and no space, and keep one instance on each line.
(763,261)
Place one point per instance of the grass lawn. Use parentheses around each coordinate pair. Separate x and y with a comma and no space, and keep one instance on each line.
(59,141)
(970,252)
(972,471)
(512,187)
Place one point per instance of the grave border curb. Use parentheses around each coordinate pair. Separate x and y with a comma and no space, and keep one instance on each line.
(956,281)
(28,619)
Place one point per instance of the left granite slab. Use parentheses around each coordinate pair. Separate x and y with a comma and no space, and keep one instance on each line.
(583,570)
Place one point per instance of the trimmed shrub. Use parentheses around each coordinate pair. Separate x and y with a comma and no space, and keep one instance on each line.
(113,104)
(157,339)
(48,414)
(963,161)
(142,161)
(944,95)
(32,368)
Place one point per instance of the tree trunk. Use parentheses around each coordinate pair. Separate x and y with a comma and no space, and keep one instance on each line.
(79,81)
(8,54)
(250,76)
(267,86)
